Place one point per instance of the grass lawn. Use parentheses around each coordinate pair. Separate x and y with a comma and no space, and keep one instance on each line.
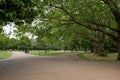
(4,54)
(110,57)
(43,53)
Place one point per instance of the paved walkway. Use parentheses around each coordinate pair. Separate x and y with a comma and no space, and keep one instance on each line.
(63,67)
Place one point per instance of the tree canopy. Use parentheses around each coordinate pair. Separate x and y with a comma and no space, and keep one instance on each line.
(18,11)
(66,23)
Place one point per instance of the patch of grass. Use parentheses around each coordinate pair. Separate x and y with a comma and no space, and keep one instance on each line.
(4,54)
(110,57)
(43,53)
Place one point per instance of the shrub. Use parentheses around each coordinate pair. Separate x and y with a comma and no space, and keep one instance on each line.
(105,53)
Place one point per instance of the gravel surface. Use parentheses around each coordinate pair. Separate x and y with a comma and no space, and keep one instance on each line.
(62,67)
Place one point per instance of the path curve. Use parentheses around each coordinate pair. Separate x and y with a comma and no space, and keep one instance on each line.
(23,66)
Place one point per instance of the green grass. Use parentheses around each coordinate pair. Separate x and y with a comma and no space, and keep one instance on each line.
(4,54)
(110,57)
(43,53)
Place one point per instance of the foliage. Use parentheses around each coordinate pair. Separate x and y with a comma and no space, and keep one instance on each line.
(64,24)
(105,53)
(96,15)
(4,40)
(24,43)
(13,43)
(110,45)
(7,43)
(17,11)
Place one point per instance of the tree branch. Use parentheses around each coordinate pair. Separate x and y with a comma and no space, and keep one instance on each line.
(63,8)
(99,24)
(98,29)
(86,26)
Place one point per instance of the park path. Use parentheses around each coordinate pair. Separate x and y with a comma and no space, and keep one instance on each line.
(23,66)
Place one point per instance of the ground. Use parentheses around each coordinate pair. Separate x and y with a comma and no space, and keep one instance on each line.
(62,67)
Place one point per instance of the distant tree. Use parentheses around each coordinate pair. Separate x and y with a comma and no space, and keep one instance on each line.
(4,42)
(13,43)
(24,43)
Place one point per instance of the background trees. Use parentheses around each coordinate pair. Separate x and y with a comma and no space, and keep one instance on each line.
(100,15)
(7,43)
(24,43)
(3,42)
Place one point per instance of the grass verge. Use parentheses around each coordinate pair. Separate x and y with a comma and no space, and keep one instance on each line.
(43,53)
(4,54)
(90,56)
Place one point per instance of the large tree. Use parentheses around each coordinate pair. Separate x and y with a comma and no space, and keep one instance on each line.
(96,15)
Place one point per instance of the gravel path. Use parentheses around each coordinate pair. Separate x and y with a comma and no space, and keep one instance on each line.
(62,67)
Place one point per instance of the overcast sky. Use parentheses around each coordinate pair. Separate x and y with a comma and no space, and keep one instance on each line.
(9,29)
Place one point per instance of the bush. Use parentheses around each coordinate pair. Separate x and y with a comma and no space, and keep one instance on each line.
(105,53)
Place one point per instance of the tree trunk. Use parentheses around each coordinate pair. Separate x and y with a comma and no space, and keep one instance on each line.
(118,41)
(116,13)
(85,49)
(98,43)
(91,48)
(118,48)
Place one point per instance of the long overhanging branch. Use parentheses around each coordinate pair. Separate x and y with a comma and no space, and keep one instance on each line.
(93,22)
(72,23)
(98,29)
(86,26)
(87,35)
(103,25)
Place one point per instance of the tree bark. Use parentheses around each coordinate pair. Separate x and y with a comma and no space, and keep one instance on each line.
(117,17)
(85,49)
(98,43)
(118,49)
(118,46)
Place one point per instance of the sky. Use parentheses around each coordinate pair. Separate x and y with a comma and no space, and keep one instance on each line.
(9,30)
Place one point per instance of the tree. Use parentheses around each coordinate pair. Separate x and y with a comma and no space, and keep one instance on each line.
(24,43)
(96,15)
(98,43)
(13,43)
(115,9)
(4,42)
(87,13)
(110,45)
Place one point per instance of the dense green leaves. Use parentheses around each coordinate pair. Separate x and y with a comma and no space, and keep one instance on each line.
(24,43)
(17,11)
(3,42)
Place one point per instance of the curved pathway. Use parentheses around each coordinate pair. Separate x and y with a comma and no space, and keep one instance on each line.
(23,66)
